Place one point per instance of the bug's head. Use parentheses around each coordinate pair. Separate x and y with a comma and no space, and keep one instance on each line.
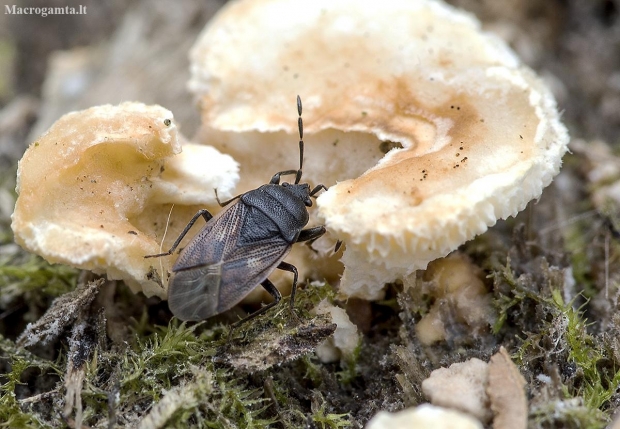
(301,191)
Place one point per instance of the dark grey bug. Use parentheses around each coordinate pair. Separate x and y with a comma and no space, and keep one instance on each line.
(239,247)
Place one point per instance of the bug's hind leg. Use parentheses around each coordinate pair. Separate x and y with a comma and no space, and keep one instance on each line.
(207,217)
(273,291)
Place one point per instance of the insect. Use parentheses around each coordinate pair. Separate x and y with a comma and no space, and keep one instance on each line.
(241,246)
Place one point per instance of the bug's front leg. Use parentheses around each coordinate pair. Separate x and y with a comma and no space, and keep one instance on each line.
(317,188)
(275,180)
(311,234)
(225,203)
(207,217)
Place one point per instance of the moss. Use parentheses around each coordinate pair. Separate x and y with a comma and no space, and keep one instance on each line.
(325,420)
(559,342)
(168,377)
(13,414)
(33,277)
(350,369)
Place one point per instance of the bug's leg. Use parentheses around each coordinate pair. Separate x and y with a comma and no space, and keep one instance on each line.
(317,188)
(225,203)
(273,291)
(291,268)
(310,235)
(207,217)
(275,180)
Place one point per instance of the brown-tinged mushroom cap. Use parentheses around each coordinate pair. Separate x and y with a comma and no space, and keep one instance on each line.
(96,190)
(426,129)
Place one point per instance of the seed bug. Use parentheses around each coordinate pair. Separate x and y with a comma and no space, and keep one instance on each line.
(241,246)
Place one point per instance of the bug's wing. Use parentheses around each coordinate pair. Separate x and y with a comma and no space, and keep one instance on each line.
(246,267)
(216,269)
(214,241)
(193,294)
(194,288)
(201,292)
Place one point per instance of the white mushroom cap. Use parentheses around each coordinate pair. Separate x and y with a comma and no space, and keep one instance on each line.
(425,416)
(96,189)
(480,133)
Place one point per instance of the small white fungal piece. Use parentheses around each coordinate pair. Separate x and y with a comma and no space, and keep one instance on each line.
(345,339)
(96,190)
(462,386)
(426,129)
(425,416)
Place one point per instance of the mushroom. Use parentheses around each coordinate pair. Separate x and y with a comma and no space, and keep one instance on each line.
(425,129)
(424,416)
(96,191)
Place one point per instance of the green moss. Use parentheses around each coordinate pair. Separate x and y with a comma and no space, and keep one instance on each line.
(569,414)
(588,379)
(350,369)
(13,414)
(325,420)
(506,302)
(577,237)
(171,374)
(34,276)
(170,378)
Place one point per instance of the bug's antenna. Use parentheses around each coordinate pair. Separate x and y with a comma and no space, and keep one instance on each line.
(300,125)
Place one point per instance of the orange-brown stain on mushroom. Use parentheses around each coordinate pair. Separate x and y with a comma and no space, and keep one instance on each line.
(478,144)
(421,164)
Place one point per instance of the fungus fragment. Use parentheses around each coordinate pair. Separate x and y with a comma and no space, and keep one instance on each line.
(480,133)
(459,298)
(425,416)
(96,191)
(462,386)
(345,339)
